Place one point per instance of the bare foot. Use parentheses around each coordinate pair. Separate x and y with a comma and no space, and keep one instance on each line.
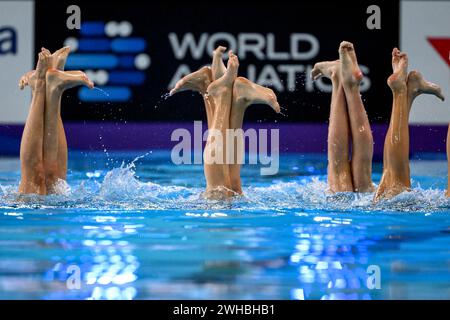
(417,85)
(395,58)
(59,58)
(351,74)
(246,93)
(44,64)
(228,77)
(397,81)
(327,69)
(63,80)
(233,66)
(217,66)
(28,78)
(196,81)
(46,51)
(57,61)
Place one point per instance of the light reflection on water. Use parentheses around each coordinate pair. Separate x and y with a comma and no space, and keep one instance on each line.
(132,239)
(107,266)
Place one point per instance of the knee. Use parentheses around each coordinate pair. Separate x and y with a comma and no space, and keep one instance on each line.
(51,171)
(32,165)
(37,176)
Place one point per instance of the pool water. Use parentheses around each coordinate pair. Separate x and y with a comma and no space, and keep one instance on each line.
(128,228)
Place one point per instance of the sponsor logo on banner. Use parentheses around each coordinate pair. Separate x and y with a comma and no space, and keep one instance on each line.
(111,57)
(135,59)
(16,56)
(280,69)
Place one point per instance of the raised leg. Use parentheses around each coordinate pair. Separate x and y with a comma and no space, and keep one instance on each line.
(31,146)
(405,88)
(57,82)
(245,93)
(362,140)
(396,174)
(215,166)
(339,171)
(57,61)
(417,85)
(62,149)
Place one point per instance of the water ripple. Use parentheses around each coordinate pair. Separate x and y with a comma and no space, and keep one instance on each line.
(120,188)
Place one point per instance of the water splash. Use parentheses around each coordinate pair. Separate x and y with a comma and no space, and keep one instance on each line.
(101,91)
(121,184)
(120,188)
(162,98)
(62,187)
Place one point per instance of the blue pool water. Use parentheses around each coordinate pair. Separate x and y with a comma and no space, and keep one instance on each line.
(140,230)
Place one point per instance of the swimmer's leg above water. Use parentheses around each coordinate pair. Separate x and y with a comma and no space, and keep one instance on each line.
(339,172)
(405,88)
(347,117)
(395,178)
(215,154)
(362,140)
(31,145)
(58,61)
(57,82)
(245,93)
(51,151)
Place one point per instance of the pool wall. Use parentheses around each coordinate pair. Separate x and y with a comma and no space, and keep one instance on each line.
(294,137)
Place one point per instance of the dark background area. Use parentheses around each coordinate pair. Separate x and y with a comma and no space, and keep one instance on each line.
(329,22)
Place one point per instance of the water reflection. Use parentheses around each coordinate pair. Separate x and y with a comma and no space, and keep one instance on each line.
(330,260)
(219,255)
(150,235)
(107,265)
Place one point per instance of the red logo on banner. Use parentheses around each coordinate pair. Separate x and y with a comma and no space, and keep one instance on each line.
(442,46)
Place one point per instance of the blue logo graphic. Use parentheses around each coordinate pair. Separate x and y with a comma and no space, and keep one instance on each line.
(111,57)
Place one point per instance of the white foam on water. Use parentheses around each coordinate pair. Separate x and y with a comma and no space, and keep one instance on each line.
(62,187)
(120,188)
(206,215)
